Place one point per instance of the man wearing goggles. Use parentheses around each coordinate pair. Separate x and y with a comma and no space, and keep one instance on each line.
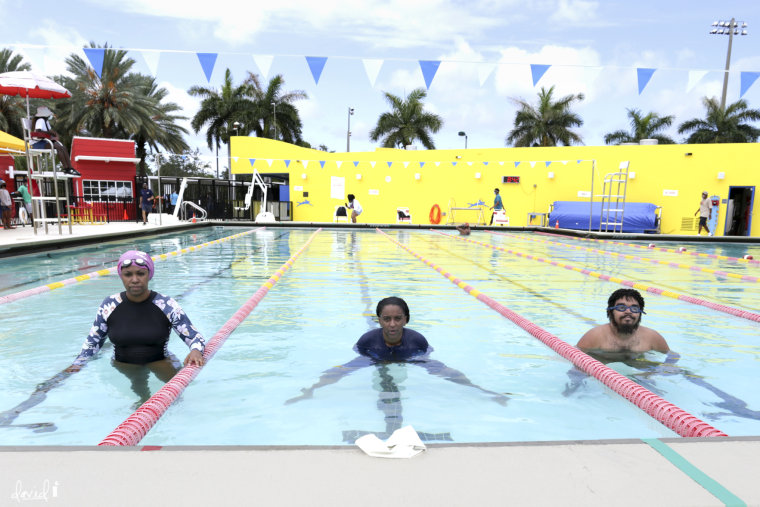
(624,333)
(139,322)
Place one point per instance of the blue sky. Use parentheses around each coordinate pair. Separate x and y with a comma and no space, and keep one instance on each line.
(485,48)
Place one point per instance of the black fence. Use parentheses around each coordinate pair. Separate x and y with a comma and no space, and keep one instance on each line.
(221,199)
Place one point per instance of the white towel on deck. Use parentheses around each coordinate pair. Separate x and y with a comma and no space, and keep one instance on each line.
(403,443)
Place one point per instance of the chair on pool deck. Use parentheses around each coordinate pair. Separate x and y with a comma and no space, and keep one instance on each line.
(500,217)
(340,214)
(403,216)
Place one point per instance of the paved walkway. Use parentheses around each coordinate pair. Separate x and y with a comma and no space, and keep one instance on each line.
(667,472)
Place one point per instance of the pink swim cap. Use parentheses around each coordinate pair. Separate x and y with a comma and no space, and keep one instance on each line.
(141,259)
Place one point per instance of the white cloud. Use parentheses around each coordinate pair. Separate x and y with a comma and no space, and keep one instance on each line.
(389,23)
(60,40)
(575,12)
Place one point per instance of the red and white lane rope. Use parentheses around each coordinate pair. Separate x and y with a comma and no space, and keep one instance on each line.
(717,272)
(658,249)
(676,419)
(103,272)
(137,425)
(737,312)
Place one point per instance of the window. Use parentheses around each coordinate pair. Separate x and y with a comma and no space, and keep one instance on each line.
(96,190)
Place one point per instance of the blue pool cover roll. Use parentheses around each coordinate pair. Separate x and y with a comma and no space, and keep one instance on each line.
(638,216)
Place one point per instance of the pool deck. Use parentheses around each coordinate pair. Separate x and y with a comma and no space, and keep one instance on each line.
(667,472)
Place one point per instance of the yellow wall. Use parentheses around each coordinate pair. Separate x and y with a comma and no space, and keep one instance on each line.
(657,169)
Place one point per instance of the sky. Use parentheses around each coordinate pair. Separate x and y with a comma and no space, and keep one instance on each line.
(485,49)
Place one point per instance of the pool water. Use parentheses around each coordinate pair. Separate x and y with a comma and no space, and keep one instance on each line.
(308,323)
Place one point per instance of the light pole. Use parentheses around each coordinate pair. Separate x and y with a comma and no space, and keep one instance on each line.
(348,130)
(235,126)
(729,28)
(463,133)
(274,118)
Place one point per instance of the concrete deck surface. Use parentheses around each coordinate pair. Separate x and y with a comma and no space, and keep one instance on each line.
(700,472)
(607,473)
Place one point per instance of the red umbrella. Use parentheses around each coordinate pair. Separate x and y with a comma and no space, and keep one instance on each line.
(28,84)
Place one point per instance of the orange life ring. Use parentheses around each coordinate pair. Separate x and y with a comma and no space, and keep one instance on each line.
(435,214)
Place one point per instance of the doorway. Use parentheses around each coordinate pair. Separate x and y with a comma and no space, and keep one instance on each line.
(739,211)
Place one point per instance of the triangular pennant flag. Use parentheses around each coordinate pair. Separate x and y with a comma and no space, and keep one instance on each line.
(269,161)
(208,60)
(184,157)
(502,163)
(537,71)
(564,162)
(437,164)
(406,164)
(316,65)
(485,163)
(644,75)
(422,164)
(548,163)
(516,164)
(96,56)
(695,76)
(747,80)
(287,163)
(305,163)
(322,163)
(356,163)
(372,68)
(429,68)
(389,163)
(252,160)
(151,60)
(372,164)
(235,159)
(264,63)
(469,163)
(338,163)
(532,164)
(484,72)
(454,163)
(580,161)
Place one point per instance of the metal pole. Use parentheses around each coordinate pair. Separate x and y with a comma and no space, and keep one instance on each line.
(161,200)
(728,63)
(348,130)
(274,118)
(591,198)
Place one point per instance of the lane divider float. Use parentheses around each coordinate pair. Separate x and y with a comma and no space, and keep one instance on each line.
(137,425)
(737,312)
(651,246)
(103,272)
(674,418)
(717,272)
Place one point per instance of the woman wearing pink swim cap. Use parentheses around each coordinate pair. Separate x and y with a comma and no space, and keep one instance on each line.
(139,322)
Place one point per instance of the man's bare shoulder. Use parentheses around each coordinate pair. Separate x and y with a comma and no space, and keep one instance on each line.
(594,338)
(652,339)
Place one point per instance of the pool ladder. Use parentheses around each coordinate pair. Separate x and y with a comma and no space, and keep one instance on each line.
(613,199)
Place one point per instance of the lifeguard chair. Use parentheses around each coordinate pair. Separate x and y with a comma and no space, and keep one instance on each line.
(340,214)
(403,216)
(500,217)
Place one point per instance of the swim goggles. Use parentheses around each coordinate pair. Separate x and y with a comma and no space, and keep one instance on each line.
(138,262)
(622,308)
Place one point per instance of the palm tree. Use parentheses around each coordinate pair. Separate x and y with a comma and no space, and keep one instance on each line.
(165,131)
(642,127)
(274,115)
(112,105)
(220,109)
(720,125)
(548,124)
(406,122)
(12,108)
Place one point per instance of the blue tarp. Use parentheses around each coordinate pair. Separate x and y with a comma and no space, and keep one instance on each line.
(637,217)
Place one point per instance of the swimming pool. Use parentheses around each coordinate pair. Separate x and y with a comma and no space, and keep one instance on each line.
(309,321)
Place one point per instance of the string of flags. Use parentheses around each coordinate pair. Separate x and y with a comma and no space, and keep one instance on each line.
(428,68)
